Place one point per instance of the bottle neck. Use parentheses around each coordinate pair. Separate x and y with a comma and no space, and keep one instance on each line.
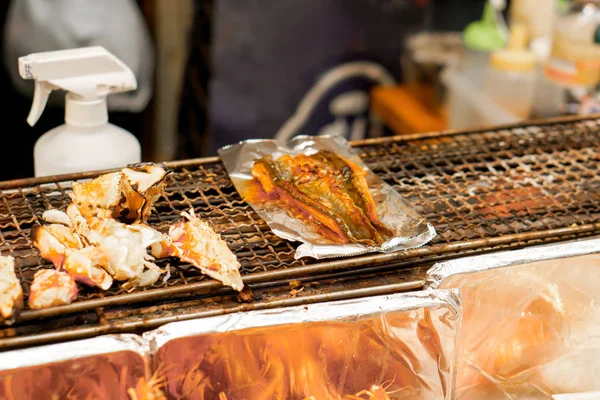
(85,113)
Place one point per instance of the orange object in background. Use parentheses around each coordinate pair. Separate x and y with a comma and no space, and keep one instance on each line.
(406,109)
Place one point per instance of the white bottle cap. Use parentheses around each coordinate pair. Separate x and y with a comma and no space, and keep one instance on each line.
(85,113)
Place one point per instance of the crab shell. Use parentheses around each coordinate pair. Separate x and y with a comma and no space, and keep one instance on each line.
(127,195)
(149,180)
(202,247)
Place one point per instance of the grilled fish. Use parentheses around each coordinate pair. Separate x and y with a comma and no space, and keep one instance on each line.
(326,190)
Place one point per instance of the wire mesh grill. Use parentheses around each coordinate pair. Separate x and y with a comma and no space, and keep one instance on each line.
(479,189)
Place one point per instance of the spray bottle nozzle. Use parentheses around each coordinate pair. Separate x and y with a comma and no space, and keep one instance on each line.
(91,73)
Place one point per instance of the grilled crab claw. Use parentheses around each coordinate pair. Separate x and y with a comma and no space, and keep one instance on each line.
(51,288)
(120,249)
(123,248)
(65,249)
(53,240)
(126,247)
(88,266)
(11,293)
(202,247)
(127,195)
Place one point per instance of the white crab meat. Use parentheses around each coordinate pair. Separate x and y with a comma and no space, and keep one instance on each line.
(162,245)
(202,247)
(66,251)
(51,288)
(88,266)
(78,222)
(120,249)
(147,278)
(56,217)
(125,247)
(11,293)
(53,240)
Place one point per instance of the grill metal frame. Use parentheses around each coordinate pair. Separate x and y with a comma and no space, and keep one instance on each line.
(485,189)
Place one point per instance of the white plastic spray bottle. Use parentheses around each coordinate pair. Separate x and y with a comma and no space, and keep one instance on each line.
(87,141)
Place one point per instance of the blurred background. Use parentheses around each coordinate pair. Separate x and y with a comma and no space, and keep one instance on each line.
(214,72)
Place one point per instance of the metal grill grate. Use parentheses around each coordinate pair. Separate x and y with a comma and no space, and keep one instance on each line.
(480,190)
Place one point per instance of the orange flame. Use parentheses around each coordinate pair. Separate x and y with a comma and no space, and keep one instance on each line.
(318,361)
(149,389)
(89,378)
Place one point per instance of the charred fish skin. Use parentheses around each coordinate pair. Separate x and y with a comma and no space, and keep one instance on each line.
(354,178)
(319,179)
(273,181)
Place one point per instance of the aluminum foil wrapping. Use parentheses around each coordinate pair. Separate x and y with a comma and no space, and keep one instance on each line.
(400,346)
(410,229)
(107,367)
(530,321)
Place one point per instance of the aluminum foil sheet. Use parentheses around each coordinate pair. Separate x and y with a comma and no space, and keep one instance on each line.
(530,321)
(578,396)
(107,367)
(410,229)
(398,346)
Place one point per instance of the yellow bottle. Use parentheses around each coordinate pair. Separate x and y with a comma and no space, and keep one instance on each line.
(510,77)
(575,56)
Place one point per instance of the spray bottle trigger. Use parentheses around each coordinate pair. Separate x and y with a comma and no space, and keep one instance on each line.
(40,98)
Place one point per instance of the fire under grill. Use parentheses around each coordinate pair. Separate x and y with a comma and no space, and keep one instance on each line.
(482,190)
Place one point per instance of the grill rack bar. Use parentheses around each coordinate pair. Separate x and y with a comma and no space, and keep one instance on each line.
(136,325)
(209,286)
(482,190)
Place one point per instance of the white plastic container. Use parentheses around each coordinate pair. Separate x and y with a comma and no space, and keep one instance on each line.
(548,98)
(468,106)
(77,147)
(87,141)
(511,90)
(574,60)
(511,75)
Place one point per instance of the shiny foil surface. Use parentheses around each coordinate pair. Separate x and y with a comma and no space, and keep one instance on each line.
(410,229)
(386,347)
(530,321)
(107,367)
